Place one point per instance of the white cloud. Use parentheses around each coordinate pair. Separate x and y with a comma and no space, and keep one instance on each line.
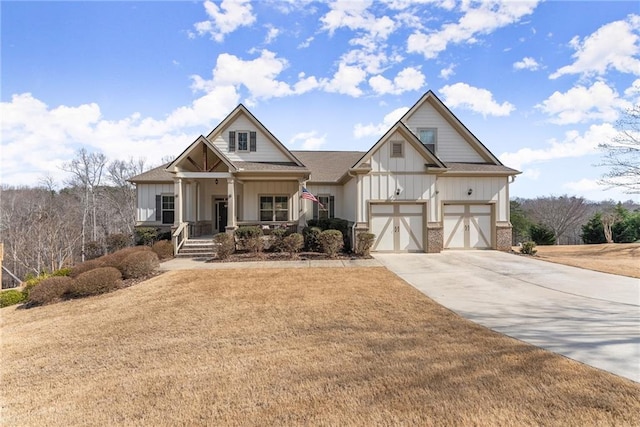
(633,92)
(478,19)
(226,18)
(613,46)
(310,140)
(573,145)
(355,16)
(583,185)
(361,131)
(306,43)
(582,104)
(527,63)
(475,99)
(531,173)
(346,80)
(410,78)
(272,34)
(445,73)
(258,75)
(27,122)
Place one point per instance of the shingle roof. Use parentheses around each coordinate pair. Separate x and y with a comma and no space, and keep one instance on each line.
(158,174)
(479,167)
(269,166)
(328,166)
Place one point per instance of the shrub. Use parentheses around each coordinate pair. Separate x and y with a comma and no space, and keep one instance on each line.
(115,259)
(342,225)
(86,266)
(50,290)
(542,235)
(62,272)
(312,239)
(93,250)
(251,238)
(292,244)
(331,242)
(145,235)
(528,248)
(277,239)
(31,282)
(163,248)
(225,245)
(11,297)
(94,282)
(364,243)
(118,241)
(139,264)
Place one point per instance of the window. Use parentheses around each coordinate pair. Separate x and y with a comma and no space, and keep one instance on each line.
(168,209)
(397,149)
(429,137)
(327,210)
(243,140)
(274,208)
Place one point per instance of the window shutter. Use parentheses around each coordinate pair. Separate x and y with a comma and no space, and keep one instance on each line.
(252,141)
(158,207)
(232,141)
(331,207)
(315,211)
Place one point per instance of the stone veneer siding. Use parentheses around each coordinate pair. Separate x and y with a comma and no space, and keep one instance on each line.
(503,237)
(435,239)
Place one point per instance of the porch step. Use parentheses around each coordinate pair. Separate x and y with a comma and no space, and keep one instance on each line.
(197,249)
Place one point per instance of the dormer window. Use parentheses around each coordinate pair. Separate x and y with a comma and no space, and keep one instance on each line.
(242,141)
(429,138)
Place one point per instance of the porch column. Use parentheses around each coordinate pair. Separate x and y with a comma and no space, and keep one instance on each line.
(231,205)
(302,210)
(179,203)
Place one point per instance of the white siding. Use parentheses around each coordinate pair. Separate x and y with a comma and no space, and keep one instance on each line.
(146,211)
(483,190)
(252,190)
(450,146)
(412,187)
(267,151)
(349,200)
(325,190)
(411,161)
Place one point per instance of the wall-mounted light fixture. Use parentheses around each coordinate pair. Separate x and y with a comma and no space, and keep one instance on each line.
(398,191)
(216,181)
(470,191)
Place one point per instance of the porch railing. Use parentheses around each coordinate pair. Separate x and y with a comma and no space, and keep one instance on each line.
(180,236)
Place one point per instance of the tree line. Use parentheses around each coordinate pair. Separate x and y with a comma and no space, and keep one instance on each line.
(44,229)
(570,220)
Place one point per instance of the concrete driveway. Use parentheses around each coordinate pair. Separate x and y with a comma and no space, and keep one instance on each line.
(585,315)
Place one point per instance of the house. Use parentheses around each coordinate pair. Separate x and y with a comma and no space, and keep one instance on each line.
(426,185)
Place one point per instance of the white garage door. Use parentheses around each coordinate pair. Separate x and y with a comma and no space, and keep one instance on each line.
(398,227)
(467,226)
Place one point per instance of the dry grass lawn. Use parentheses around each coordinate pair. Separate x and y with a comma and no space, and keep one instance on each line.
(286,347)
(616,258)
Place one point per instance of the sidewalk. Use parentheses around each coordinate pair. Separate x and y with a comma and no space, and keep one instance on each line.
(202,264)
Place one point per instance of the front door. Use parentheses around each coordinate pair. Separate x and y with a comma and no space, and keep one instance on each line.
(221,215)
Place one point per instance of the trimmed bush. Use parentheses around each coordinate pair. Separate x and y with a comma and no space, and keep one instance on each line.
(115,259)
(331,242)
(292,244)
(277,239)
(62,272)
(145,235)
(86,266)
(94,282)
(139,264)
(312,239)
(11,297)
(163,248)
(225,245)
(528,248)
(118,241)
(50,290)
(364,243)
(93,250)
(251,238)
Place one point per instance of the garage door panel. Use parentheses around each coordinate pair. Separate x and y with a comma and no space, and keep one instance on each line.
(467,226)
(382,227)
(398,227)
(410,233)
(480,232)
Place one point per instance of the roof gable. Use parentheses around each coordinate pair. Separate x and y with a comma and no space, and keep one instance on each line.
(279,153)
(400,128)
(192,152)
(473,143)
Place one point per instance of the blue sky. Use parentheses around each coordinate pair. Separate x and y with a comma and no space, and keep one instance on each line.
(539,83)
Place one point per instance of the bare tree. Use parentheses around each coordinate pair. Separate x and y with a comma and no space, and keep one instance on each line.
(623,153)
(87,170)
(123,193)
(560,214)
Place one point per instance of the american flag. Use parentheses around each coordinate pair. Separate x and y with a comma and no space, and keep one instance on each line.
(307,195)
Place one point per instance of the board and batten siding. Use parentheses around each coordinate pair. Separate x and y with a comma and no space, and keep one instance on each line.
(483,190)
(147,199)
(252,190)
(389,174)
(450,145)
(266,150)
